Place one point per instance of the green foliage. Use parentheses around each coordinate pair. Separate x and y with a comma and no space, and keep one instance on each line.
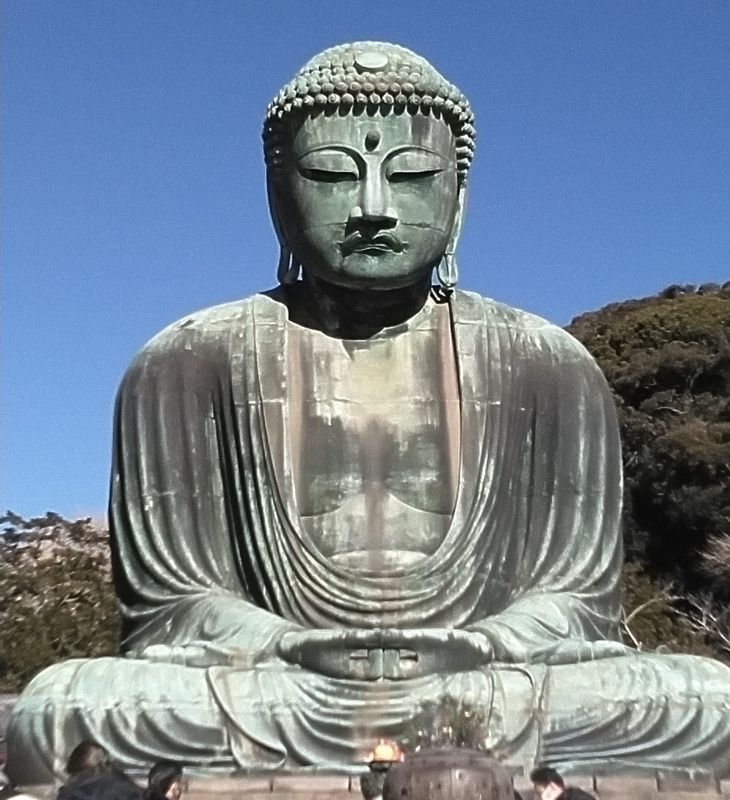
(667,360)
(58,601)
(660,342)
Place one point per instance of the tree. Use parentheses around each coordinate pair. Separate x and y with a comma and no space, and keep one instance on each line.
(58,601)
(667,360)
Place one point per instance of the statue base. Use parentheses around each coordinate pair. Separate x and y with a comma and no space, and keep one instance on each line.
(649,785)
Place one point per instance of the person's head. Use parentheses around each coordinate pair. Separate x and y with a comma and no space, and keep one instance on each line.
(165,779)
(547,780)
(88,756)
(367,152)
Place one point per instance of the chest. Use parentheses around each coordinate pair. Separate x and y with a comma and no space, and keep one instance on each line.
(375,435)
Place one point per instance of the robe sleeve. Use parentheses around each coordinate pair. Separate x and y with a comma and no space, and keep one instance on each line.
(566,548)
(173,526)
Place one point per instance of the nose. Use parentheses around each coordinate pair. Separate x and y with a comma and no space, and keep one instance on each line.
(374,207)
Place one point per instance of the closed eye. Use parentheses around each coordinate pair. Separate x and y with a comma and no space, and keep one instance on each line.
(412,175)
(327,175)
(328,166)
(414,165)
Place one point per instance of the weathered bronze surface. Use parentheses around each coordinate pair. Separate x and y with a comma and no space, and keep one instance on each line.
(344,497)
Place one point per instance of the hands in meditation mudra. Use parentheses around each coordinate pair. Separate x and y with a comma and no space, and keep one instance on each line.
(355,493)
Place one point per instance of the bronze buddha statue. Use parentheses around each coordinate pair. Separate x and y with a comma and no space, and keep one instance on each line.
(357,492)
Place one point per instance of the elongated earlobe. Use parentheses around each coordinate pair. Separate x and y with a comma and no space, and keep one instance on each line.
(288,269)
(447,271)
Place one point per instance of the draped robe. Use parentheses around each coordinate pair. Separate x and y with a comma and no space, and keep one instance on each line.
(210,558)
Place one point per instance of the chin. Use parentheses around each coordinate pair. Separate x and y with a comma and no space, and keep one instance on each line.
(373,275)
(375,283)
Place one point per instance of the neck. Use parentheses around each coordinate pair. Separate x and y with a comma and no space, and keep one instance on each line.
(355,313)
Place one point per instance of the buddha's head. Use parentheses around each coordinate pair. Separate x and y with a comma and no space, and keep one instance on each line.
(367,153)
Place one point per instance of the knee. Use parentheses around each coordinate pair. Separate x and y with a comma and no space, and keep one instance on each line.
(53,678)
(33,753)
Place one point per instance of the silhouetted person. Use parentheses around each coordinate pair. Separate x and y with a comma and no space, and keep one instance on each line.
(88,757)
(165,781)
(549,785)
(92,776)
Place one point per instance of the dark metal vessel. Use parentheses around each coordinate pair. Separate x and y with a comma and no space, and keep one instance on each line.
(450,773)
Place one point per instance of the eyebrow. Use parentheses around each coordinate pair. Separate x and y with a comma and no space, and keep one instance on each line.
(347,150)
(342,148)
(406,148)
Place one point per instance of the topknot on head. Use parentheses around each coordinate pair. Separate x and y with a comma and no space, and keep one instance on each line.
(370,76)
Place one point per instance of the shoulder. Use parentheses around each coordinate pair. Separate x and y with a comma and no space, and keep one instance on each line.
(110,786)
(529,330)
(574,793)
(204,339)
(211,325)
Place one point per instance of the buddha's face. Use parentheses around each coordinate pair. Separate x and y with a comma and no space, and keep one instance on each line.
(369,201)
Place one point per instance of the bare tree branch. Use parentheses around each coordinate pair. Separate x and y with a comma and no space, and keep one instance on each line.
(627,630)
(706,617)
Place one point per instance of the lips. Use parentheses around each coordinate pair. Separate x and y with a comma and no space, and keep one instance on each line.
(381,243)
(374,247)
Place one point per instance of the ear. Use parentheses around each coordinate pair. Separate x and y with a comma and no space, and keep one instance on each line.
(287,271)
(458,219)
(272,190)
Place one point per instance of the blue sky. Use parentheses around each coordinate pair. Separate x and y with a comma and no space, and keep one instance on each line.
(133,182)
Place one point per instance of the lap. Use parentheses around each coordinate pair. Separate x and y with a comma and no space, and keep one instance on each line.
(639,709)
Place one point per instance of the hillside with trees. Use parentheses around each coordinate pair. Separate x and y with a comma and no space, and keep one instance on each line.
(667,360)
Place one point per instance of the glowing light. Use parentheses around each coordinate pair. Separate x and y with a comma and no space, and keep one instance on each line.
(386,752)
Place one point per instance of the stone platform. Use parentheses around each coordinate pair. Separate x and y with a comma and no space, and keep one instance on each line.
(655,786)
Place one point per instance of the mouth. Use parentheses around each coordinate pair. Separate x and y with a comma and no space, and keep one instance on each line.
(377,245)
(374,247)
